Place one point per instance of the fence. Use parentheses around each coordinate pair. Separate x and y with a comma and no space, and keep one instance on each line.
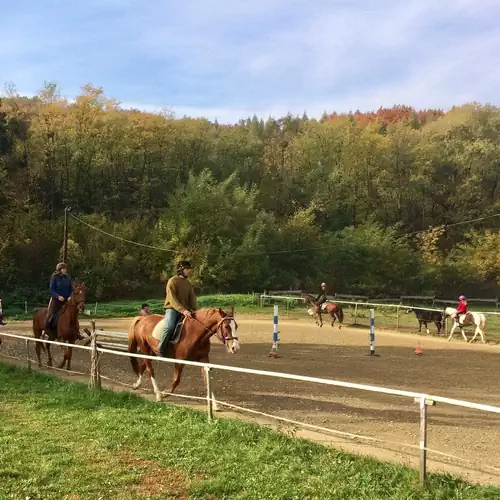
(395,317)
(424,400)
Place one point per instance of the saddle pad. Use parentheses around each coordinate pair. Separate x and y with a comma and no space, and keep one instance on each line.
(158,330)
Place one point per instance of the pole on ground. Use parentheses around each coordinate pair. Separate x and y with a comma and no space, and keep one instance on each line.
(372,332)
(274,348)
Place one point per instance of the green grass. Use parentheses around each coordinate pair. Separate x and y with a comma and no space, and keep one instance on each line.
(129,308)
(60,440)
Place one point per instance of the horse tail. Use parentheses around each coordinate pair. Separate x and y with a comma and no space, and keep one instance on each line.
(340,313)
(132,345)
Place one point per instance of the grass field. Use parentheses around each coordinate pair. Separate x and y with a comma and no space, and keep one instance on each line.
(61,441)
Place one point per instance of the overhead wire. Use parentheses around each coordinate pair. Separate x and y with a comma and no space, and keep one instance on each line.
(273,252)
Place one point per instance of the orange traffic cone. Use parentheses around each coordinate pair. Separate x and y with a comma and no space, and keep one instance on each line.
(418,350)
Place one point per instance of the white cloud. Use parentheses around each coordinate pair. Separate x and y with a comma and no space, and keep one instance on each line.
(233,58)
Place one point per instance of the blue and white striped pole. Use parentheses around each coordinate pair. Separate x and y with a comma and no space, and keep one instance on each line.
(372,331)
(275,328)
(274,349)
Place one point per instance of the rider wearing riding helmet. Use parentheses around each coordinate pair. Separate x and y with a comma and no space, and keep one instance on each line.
(180,300)
(462,307)
(61,289)
(321,298)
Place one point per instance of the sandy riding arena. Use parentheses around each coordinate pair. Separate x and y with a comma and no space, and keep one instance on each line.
(454,370)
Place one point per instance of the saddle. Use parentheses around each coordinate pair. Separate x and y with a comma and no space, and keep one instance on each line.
(175,336)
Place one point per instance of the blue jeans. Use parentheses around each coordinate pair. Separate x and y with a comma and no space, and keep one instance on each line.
(171,319)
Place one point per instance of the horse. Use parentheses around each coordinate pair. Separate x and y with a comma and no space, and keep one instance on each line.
(67,326)
(471,318)
(423,316)
(334,310)
(192,343)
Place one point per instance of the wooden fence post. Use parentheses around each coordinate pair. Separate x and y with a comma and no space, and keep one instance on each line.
(28,354)
(95,375)
(423,403)
(355,313)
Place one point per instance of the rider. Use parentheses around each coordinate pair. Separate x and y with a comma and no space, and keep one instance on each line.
(2,322)
(321,298)
(462,307)
(61,288)
(180,300)
(145,310)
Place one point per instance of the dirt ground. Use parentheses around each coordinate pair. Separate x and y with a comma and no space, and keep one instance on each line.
(451,369)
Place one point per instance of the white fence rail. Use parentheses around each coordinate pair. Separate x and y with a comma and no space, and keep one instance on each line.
(359,305)
(422,399)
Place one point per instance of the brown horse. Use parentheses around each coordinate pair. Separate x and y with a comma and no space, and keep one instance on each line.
(67,326)
(334,310)
(193,343)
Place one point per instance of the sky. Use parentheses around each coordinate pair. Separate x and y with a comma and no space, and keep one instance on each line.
(230,59)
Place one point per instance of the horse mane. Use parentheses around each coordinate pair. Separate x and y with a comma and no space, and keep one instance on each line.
(208,312)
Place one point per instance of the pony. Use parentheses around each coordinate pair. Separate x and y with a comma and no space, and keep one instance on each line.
(423,316)
(67,329)
(334,310)
(191,343)
(471,318)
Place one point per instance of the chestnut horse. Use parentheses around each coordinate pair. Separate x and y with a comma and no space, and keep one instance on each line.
(334,310)
(67,325)
(193,343)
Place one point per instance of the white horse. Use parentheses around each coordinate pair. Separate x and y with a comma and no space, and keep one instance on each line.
(471,318)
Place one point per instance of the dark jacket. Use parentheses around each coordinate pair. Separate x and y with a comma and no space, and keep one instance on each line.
(61,285)
(321,297)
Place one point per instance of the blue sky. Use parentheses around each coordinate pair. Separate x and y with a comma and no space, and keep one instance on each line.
(228,59)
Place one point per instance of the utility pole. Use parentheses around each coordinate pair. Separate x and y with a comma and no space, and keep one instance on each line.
(65,244)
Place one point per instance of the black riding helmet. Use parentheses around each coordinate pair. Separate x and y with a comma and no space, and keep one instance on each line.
(184,264)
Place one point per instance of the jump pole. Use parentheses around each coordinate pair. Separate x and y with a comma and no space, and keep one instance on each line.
(274,349)
(372,333)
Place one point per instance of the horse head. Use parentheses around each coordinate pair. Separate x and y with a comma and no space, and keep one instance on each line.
(227,330)
(79,296)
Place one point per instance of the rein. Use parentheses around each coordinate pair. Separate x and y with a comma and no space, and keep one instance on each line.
(214,330)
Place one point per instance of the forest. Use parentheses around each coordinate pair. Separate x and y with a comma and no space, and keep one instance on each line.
(382,203)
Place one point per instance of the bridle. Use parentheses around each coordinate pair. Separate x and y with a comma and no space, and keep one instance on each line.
(218,327)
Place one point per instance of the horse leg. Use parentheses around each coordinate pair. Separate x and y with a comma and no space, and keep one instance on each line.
(70,355)
(139,374)
(149,367)
(426,328)
(476,332)
(38,350)
(176,379)
(49,354)
(65,357)
(482,335)
(333,318)
(420,325)
(452,330)
(438,326)
(320,319)
(463,334)
(215,406)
